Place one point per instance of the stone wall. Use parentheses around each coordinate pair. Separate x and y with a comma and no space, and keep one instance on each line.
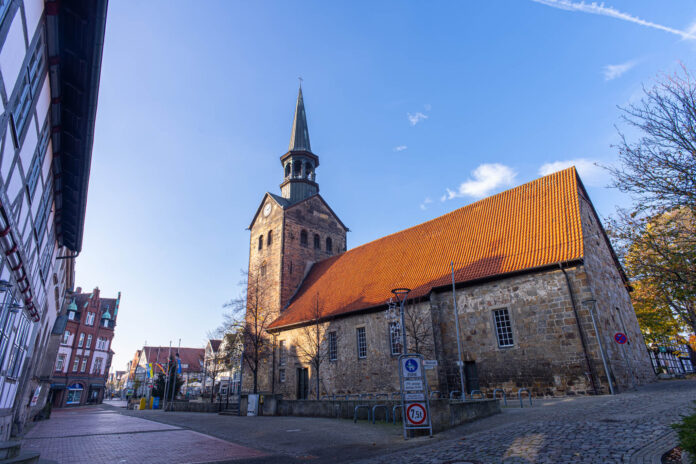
(629,364)
(376,373)
(547,355)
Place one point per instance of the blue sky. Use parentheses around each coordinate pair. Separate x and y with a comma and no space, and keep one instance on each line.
(414,108)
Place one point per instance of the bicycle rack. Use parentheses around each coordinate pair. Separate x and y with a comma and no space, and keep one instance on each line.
(434,392)
(358,407)
(396,395)
(453,392)
(396,407)
(380,406)
(503,392)
(477,392)
(519,395)
(381,395)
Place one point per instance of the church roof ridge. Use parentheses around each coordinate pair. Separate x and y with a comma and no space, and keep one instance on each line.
(528,226)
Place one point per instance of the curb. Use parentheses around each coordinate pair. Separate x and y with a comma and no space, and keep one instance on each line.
(652,452)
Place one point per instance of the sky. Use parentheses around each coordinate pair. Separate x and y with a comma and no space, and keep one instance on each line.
(414,109)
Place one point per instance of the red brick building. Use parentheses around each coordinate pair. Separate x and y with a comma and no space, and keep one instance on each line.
(84,356)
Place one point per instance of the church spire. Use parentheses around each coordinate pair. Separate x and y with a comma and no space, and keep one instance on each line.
(299,163)
(299,139)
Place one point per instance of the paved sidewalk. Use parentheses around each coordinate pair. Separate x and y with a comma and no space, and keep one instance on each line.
(93,435)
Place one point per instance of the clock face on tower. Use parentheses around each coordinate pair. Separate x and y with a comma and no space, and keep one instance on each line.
(267,209)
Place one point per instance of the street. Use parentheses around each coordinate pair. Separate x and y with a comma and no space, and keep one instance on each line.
(630,427)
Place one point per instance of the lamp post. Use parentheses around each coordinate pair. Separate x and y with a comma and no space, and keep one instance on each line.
(401,294)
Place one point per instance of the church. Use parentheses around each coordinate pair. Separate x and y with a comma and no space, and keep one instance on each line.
(529,273)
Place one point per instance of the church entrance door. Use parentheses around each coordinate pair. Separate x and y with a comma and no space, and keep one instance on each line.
(302,383)
(471,376)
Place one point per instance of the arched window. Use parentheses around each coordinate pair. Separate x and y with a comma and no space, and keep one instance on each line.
(260,242)
(269,238)
(287,170)
(317,242)
(308,170)
(297,168)
(303,238)
(329,245)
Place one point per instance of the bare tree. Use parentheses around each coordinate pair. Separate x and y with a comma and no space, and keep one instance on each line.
(419,333)
(252,308)
(312,346)
(656,237)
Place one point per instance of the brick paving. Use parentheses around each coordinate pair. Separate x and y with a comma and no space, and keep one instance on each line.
(96,436)
(574,430)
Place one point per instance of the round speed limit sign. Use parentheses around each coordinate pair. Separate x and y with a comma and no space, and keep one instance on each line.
(415,414)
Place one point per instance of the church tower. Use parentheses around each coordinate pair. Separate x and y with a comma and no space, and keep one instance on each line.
(292,231)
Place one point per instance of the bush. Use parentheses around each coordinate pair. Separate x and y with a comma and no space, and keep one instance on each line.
(686,430)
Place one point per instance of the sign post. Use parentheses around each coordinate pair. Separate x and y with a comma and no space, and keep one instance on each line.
(415,405)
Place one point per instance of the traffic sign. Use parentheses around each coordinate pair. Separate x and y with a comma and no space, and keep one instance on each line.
(411,367)
(620,338)
(416,385)
(414,401)
(416,413)
(430,363)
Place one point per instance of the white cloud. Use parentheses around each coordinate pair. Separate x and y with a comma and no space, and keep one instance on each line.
(425,203)
(415,118)
(400,148)
(486,179)
(590,173)
(612,71)
(600,9)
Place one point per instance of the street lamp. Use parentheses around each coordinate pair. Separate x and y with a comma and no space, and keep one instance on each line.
(401,294)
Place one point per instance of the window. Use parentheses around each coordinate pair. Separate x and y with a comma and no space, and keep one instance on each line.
(29,82)
(333,347)
(329,245)
(281,353)
(303,238)
(6,320)
(317,242)
(260,242)
(89,341)
(81,341)
(287,170)
(75,364)
(281,375)
(60,362)
(362,342)
(43,212)
(74,393)
(66,336)
(89,320)
(4,6)
(84,364)
(503,327)
(106,323)
(97,366)
(17,356)
(263,269)
(71,315)
(269,238)
(37,161)
(395,338)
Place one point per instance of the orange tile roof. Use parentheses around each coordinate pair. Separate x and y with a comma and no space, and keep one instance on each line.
(529,226)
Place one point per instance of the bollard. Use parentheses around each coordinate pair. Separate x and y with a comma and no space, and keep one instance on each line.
(355,412)
(519,395)
(503,392)
(477,392)
(380,406)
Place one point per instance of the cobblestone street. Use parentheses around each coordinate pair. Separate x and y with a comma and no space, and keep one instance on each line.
(585,429)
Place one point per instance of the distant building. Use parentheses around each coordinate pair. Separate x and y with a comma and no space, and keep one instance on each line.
(221,371)
(50,65)
(84,356)
(538,288)
(673,357)
(155,358)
